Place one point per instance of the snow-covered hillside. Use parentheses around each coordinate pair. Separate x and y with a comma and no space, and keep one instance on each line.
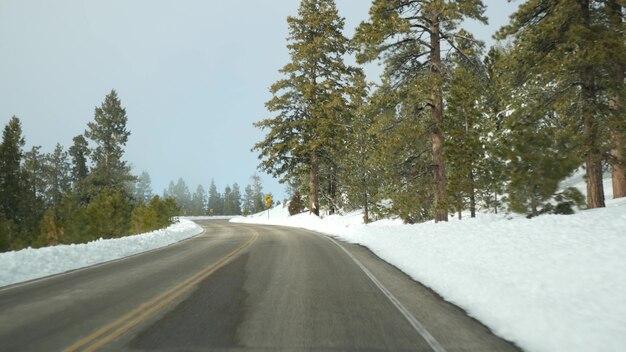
(551,283)
(28,264)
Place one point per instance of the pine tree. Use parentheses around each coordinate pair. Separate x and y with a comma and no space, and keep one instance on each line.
(235,200)
(215,205)
(537,142)
(143,188)
(108,131)
(165,209)
(248,200)
(311,101)
(34,167)
(403,169)
(228,203)
(494,174)
(109,214)
(14,195)
(466,127)
(180,193)
(359,174)
(57,176)
(11,181)
(561,50)
(411,35)
(258,198)
(169,191)
(79,153)
(199,201)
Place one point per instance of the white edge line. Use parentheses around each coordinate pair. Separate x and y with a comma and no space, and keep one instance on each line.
(436,346)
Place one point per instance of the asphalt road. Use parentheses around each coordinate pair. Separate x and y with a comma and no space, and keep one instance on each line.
(238,288)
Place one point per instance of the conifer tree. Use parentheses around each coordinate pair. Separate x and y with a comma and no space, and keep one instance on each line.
(79,153)
(311,100)
(199,201)
(359,174)
(169,191)
(235,200)
(558,44)
(215,205)
(34,165)
(57,176)
(180,193)
(109,214)
(108,131)
(403,169)
(143,188)
(12,189)
(258,198)
(466,125)
(227,200)
(495,93)
(411,36)
(536,152)
(248,200)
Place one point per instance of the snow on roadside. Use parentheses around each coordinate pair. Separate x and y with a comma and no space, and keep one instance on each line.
(552,283)
(28,264)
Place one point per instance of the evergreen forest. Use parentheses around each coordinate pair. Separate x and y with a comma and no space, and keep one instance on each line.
(453,125)
(213,203)
(79,194)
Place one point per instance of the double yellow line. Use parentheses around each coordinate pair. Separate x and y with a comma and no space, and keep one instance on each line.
(110,332)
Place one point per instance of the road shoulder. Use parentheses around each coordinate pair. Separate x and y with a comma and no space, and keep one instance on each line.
(449,324)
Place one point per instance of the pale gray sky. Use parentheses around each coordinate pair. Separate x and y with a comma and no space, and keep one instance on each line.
(192,74)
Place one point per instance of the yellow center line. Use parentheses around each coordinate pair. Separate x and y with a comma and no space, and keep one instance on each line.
(108,333)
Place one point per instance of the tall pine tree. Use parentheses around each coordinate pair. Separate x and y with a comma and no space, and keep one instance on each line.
(11,183)
(311,101)
(108,131)
(12,190)
(215,205)
(199,201)
(411,36)
(560,45)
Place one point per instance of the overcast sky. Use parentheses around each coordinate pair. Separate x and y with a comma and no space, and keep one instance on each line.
(192,74)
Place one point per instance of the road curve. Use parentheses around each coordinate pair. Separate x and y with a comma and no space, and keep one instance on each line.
(238,288)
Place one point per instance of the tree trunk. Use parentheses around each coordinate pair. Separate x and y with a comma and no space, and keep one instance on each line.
(439,168)
(314,204)
(366,213)
(618,165)
(472,195)
(617,118)
(593,155)
(495,201)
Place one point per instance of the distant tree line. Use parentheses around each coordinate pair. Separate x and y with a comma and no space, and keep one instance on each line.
(229,202)
(452,126)
(75,195)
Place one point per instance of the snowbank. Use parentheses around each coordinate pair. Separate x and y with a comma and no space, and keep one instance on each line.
(552,283)
(28,264)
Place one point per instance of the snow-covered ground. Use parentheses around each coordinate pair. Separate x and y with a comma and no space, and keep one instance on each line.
(28,264)
(552,283)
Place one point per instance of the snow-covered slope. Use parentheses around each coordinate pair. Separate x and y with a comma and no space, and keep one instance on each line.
(552,283)
(28,264)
